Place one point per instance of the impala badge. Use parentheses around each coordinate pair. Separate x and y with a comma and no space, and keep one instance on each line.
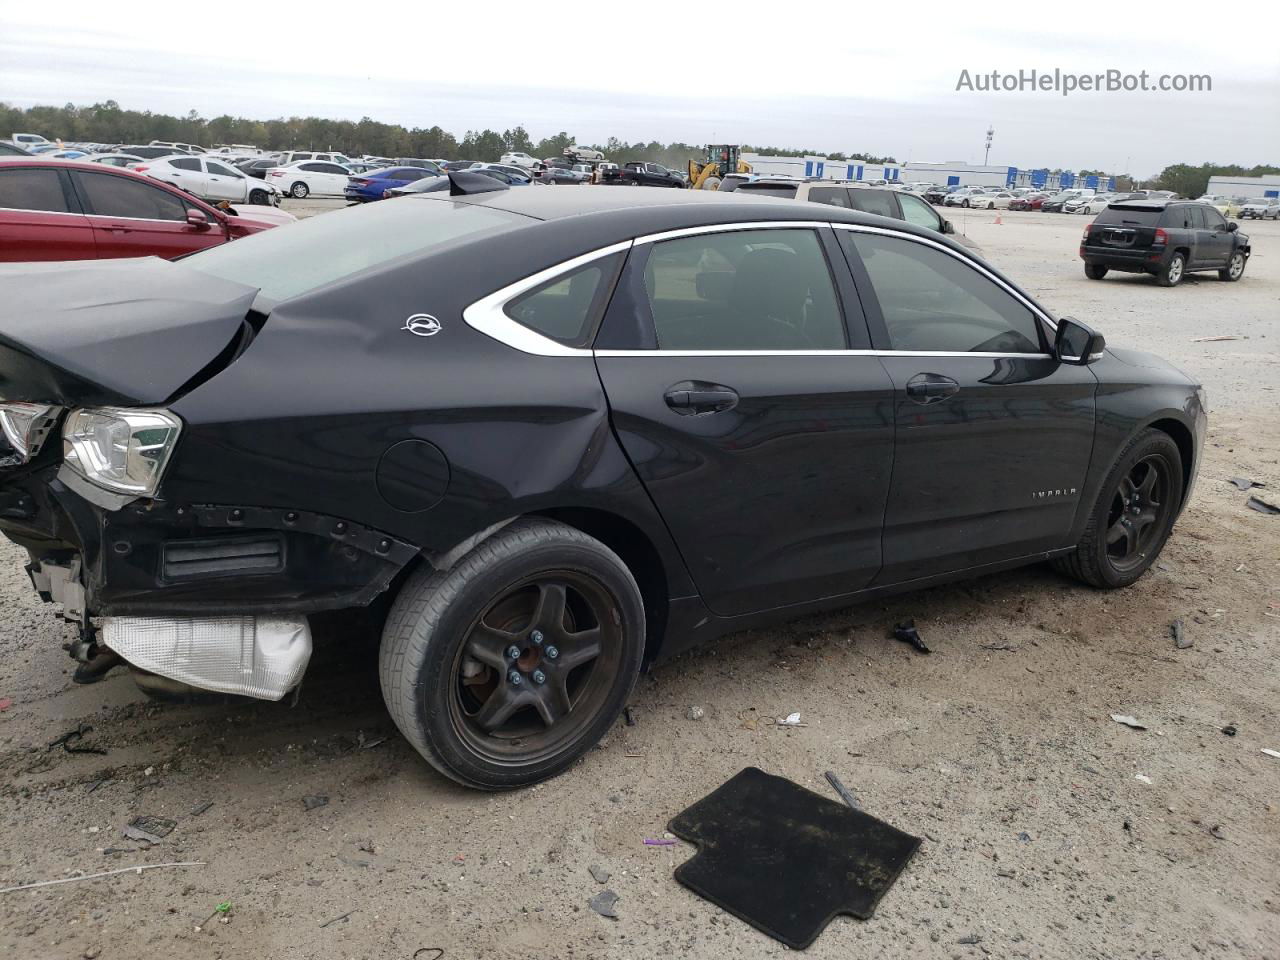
(422,325)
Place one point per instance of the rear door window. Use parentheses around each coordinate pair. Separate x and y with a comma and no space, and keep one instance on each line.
(743,290)
(30,188)
(111,196)
(833,196)
(185,163)
(221,171)
(879,202)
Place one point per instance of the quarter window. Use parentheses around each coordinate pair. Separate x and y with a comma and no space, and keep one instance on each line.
(915,210)
(564,308)
(743,290)
(112,196)
(934,301)
(30,188)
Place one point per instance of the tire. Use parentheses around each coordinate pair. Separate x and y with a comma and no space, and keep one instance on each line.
(1095,271)
(299,190)
(259,197)
(965,204)
(490,601)
(1171,273)
(1094,560)
(1234,269)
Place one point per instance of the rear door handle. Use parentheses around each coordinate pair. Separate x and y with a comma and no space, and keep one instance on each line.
(690,398)
(931,387)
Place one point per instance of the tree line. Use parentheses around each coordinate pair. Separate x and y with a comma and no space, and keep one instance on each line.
(108,122)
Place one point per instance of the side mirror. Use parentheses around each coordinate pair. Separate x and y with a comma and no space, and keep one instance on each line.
(1232,227)
(948,226)
(197,219)
(1077,344)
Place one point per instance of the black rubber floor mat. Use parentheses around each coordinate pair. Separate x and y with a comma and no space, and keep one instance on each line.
(786,860)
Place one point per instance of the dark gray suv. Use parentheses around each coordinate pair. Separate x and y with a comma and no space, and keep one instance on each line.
(1165,238)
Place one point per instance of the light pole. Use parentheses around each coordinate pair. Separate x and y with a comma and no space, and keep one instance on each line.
(991,132)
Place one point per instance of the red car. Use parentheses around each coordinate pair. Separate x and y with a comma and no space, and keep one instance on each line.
(1031,201)
(68,210)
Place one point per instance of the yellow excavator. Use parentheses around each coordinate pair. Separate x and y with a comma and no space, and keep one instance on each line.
(721,159)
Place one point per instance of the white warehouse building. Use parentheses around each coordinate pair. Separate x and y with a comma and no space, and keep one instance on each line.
(1264,186)
(949,173)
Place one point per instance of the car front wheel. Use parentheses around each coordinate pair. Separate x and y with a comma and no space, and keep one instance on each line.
(259,197)
(1133,515)
(506,668)
(1234,269)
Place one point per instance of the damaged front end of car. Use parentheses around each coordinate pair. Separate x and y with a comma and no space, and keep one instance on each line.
(212,595)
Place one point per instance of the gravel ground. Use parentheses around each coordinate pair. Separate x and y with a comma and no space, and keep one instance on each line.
(1040,840)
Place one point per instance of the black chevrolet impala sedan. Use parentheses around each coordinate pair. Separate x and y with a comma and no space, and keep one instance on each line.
(549,437)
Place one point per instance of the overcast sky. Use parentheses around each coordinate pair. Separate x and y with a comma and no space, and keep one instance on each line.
(861,80)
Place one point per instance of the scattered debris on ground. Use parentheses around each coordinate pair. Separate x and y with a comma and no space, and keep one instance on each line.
(1180,639)
(790,720)
(146,829)
(1229,729)
(1262,506)
(658,842)
(5,703)
(109,873)
(603,903)
(75,736)
(694,713)
(845,793)
(1244,483)
(598,873)
(1142,778)
(343,916)
(907,633)
(200,808)
(1128,721)
(221,911)
(311,801)
(628,716)
(1217,339)
(1272,753)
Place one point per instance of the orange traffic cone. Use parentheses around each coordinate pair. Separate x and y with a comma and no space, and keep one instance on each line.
(999,222)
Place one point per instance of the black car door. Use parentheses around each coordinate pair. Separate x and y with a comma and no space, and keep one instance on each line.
(765,441)
(994,435)
(1217,239)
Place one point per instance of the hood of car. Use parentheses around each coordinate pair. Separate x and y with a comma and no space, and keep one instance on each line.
(82,333)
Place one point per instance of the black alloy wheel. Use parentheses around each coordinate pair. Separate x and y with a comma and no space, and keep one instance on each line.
(1139,511)
(507,666)
(535,667)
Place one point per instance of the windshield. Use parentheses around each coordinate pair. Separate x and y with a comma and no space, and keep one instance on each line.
(300,257)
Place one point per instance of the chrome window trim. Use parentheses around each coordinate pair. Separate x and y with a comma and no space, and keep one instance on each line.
(488,314)
(53,213)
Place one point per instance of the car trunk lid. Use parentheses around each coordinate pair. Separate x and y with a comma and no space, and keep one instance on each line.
(123,332)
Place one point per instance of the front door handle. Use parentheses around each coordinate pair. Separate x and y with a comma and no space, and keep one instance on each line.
(693,397)
(930,387)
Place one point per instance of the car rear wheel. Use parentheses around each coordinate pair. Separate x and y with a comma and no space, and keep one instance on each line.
(1095,271)
(965,203)
(506,668)
(1133,515)
(1234,269)
(259,197)
(299,190)
(1171,273)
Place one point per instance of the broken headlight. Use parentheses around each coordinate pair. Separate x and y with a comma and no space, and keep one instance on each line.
(120,450)
(26,425)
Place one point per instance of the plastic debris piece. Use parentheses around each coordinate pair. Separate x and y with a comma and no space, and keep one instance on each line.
(109,873)
(790,720)
(1214,339)
(311,802)
(845,793)
(598,873)
(149,829)
(5,703)
(221,909)
(1128,721)
(1217,833)
(1180,639)
(603,903)
(200,808)
(695,713)
(336,919)
(1272,753)
(970,939)
(1257,503)
(907,633)
(1142,778)
(1024,837)
(658,842)
(1229,729)
(1244,483)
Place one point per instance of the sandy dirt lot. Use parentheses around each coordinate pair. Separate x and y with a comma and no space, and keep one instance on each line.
(1040,839)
